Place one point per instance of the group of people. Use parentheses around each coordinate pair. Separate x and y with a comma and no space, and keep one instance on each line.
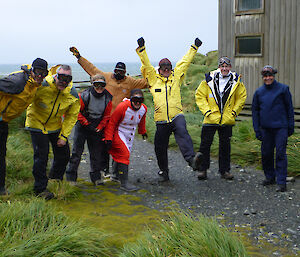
(106,115)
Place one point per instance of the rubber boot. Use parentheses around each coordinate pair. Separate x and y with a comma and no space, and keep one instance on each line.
(96,178)
(123,175)
(115,173)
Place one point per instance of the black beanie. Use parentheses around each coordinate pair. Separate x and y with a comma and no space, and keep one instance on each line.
(39,63)
(120,66)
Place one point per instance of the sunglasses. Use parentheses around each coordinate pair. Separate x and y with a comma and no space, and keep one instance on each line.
(64,78)
(99,84)
(40,72)
(267,73)
(137,99)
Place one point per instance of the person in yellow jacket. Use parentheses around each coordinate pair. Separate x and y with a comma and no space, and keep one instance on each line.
(220,98)
(168,115)
(16,93)
(50,118)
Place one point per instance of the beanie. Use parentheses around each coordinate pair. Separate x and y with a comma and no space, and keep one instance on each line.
(120,66)
(39,63)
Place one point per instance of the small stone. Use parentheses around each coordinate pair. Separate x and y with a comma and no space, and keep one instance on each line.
(246,212)
(253,211)
(242,170)
(291,231)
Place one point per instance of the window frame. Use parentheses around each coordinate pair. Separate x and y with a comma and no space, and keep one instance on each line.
(261,35)
(252,11)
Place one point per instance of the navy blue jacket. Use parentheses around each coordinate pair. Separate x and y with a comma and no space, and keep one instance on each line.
(272,107)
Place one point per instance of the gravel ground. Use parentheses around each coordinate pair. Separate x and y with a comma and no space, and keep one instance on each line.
(243,202)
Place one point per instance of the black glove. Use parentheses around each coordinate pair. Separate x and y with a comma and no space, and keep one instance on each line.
(145,136)
(258,135)
(198,42)
(141,42)
(108,144)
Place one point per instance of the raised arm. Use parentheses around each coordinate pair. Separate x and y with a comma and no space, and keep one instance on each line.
(183,65)
(90,68)
(147,69)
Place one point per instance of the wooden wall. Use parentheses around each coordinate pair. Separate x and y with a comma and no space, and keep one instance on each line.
(280,27)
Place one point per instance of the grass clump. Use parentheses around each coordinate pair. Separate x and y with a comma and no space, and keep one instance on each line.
(185,235)
(34,229)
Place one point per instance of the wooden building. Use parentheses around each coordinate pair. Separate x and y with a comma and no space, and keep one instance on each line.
(254,33)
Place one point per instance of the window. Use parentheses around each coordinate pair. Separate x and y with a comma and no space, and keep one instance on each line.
(248,45)
(249,6)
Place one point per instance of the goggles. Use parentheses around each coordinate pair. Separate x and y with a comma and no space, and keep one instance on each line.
(99,84)
(40,72)
(64,78)
(137,99)
(165,66)
(223,60)
(120,71)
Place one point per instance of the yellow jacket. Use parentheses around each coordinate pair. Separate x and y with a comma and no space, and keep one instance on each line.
(14,103)
(166,91)
(53,110)
(207,101)
(119,89)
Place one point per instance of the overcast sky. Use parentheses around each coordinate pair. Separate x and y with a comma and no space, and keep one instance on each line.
(104,30)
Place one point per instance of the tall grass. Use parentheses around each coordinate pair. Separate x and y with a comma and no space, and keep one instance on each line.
(185,235)
(34,229)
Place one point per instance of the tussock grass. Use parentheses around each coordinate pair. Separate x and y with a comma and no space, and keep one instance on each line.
(185,235)
(34,229)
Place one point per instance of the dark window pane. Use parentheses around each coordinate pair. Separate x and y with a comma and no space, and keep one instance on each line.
(245,5)
(248,45)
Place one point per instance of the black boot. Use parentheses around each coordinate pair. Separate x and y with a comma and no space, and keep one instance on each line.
(195,161)
(115,173)
(123,175)
(163,176)
(96,178)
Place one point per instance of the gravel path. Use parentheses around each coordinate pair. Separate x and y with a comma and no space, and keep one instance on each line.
(243,202)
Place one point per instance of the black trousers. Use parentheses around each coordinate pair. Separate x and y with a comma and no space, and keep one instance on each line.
(97,151)
(207,136)
(182,137)
(3,141)
(40,143)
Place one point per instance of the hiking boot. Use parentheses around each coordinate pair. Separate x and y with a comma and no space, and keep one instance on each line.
(3,191)
(126,186)
(99,181)
(163,176)
(46,194)
(281,188)
(227,176)
(268,182)
(202,175)
(196,161)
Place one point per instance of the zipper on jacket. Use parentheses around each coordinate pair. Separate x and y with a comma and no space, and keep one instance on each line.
(57,110)
(52,108)
(167,100)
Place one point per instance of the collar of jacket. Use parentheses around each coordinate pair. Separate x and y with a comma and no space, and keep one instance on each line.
(213,74)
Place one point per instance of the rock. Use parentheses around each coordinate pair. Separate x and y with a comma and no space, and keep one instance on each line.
(292,231)
(246,212)
(253,211)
